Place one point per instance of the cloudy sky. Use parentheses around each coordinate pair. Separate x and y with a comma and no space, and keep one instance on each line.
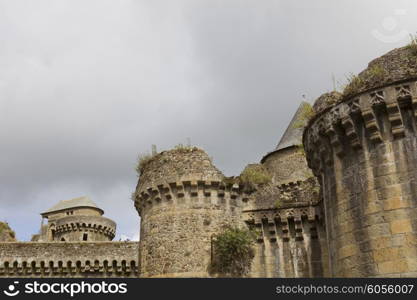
(87,85)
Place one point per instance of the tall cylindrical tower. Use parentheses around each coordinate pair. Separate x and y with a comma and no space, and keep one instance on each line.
(363,149)
(182,201)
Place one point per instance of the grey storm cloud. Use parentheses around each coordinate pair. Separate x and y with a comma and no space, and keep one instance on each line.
(87,85)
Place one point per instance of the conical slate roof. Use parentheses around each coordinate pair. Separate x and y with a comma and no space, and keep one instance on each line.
(293,136)
(72,203)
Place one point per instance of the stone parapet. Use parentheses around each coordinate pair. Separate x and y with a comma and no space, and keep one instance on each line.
(190,192)
(69,259)
(365,120)
(96,224)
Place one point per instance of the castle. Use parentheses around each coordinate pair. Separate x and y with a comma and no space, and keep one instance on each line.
(336,198)
(76,241)
(76,219)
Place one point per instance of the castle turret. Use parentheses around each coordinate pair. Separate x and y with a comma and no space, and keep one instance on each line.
(76,219)
(363,150)
(287,162)
(286,207)
(183,202)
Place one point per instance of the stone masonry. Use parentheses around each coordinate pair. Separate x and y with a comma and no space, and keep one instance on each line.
(182,201)
(75,242)
(337,197)
(363,150)
(69,259)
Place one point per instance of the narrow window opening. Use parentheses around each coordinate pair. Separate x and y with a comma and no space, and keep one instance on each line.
(85,237)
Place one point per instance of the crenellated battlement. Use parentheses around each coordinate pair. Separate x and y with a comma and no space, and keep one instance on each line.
(299,193)
(212,192)
(69,259)
(364,120)
(99,225)
(284,215)
(363,151)
(77,268)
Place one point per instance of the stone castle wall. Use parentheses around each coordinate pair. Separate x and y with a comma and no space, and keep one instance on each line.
(183,202)
(363,151)
(69,259)
(288,214)
(356,218)
(292,243)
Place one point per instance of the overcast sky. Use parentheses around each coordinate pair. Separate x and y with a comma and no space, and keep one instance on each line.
(87,85)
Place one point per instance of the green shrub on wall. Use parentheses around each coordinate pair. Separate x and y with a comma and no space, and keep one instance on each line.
(143,160)
(6,231)
(233,252)
(306,114)
(256,174)
(412,45)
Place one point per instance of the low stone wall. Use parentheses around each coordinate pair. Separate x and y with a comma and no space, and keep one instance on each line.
(69,259)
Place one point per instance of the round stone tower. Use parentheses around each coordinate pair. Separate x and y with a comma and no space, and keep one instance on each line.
(363,150)
(182,201)
(76,219)
(287,162)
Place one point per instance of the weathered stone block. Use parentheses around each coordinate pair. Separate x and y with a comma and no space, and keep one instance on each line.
(393,266)
(348,250)
(401,226)
(386,254)
(395,203)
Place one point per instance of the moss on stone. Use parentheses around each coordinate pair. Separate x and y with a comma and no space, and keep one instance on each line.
(326,100)
(256,174)
(184,148)
(300,150)
(307,112)
(143,160)
(278,203)
(6,233)
(412,45)
(371,76)
(396,65)
(353,85)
